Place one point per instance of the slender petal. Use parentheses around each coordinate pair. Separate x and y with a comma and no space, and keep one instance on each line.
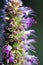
(29,32)
(26,10)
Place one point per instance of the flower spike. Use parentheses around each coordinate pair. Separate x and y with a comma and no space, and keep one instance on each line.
(17,45)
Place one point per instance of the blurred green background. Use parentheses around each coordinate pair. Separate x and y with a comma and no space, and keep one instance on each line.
(37,6)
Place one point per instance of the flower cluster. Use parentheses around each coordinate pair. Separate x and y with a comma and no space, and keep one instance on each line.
(17,43)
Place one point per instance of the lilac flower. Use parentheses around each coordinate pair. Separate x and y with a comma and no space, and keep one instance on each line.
(32,59)
(29,47)
(24,38)
(26,10)
(7,49)
(29,41)
(11,59)
(29,21)
(25,26)
(26,47)
(27,63)
(29,32)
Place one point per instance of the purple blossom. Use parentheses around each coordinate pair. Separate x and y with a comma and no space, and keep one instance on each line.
(27,63)
(29,21)
(11,59)
(29,47)
(29,41)
(24,38)
(32,59)
(30,32)
(7,49)
(26,10)
(26,47)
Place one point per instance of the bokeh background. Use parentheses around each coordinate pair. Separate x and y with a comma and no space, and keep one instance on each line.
(37,6)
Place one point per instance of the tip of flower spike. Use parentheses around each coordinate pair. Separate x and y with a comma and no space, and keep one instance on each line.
(17,2)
